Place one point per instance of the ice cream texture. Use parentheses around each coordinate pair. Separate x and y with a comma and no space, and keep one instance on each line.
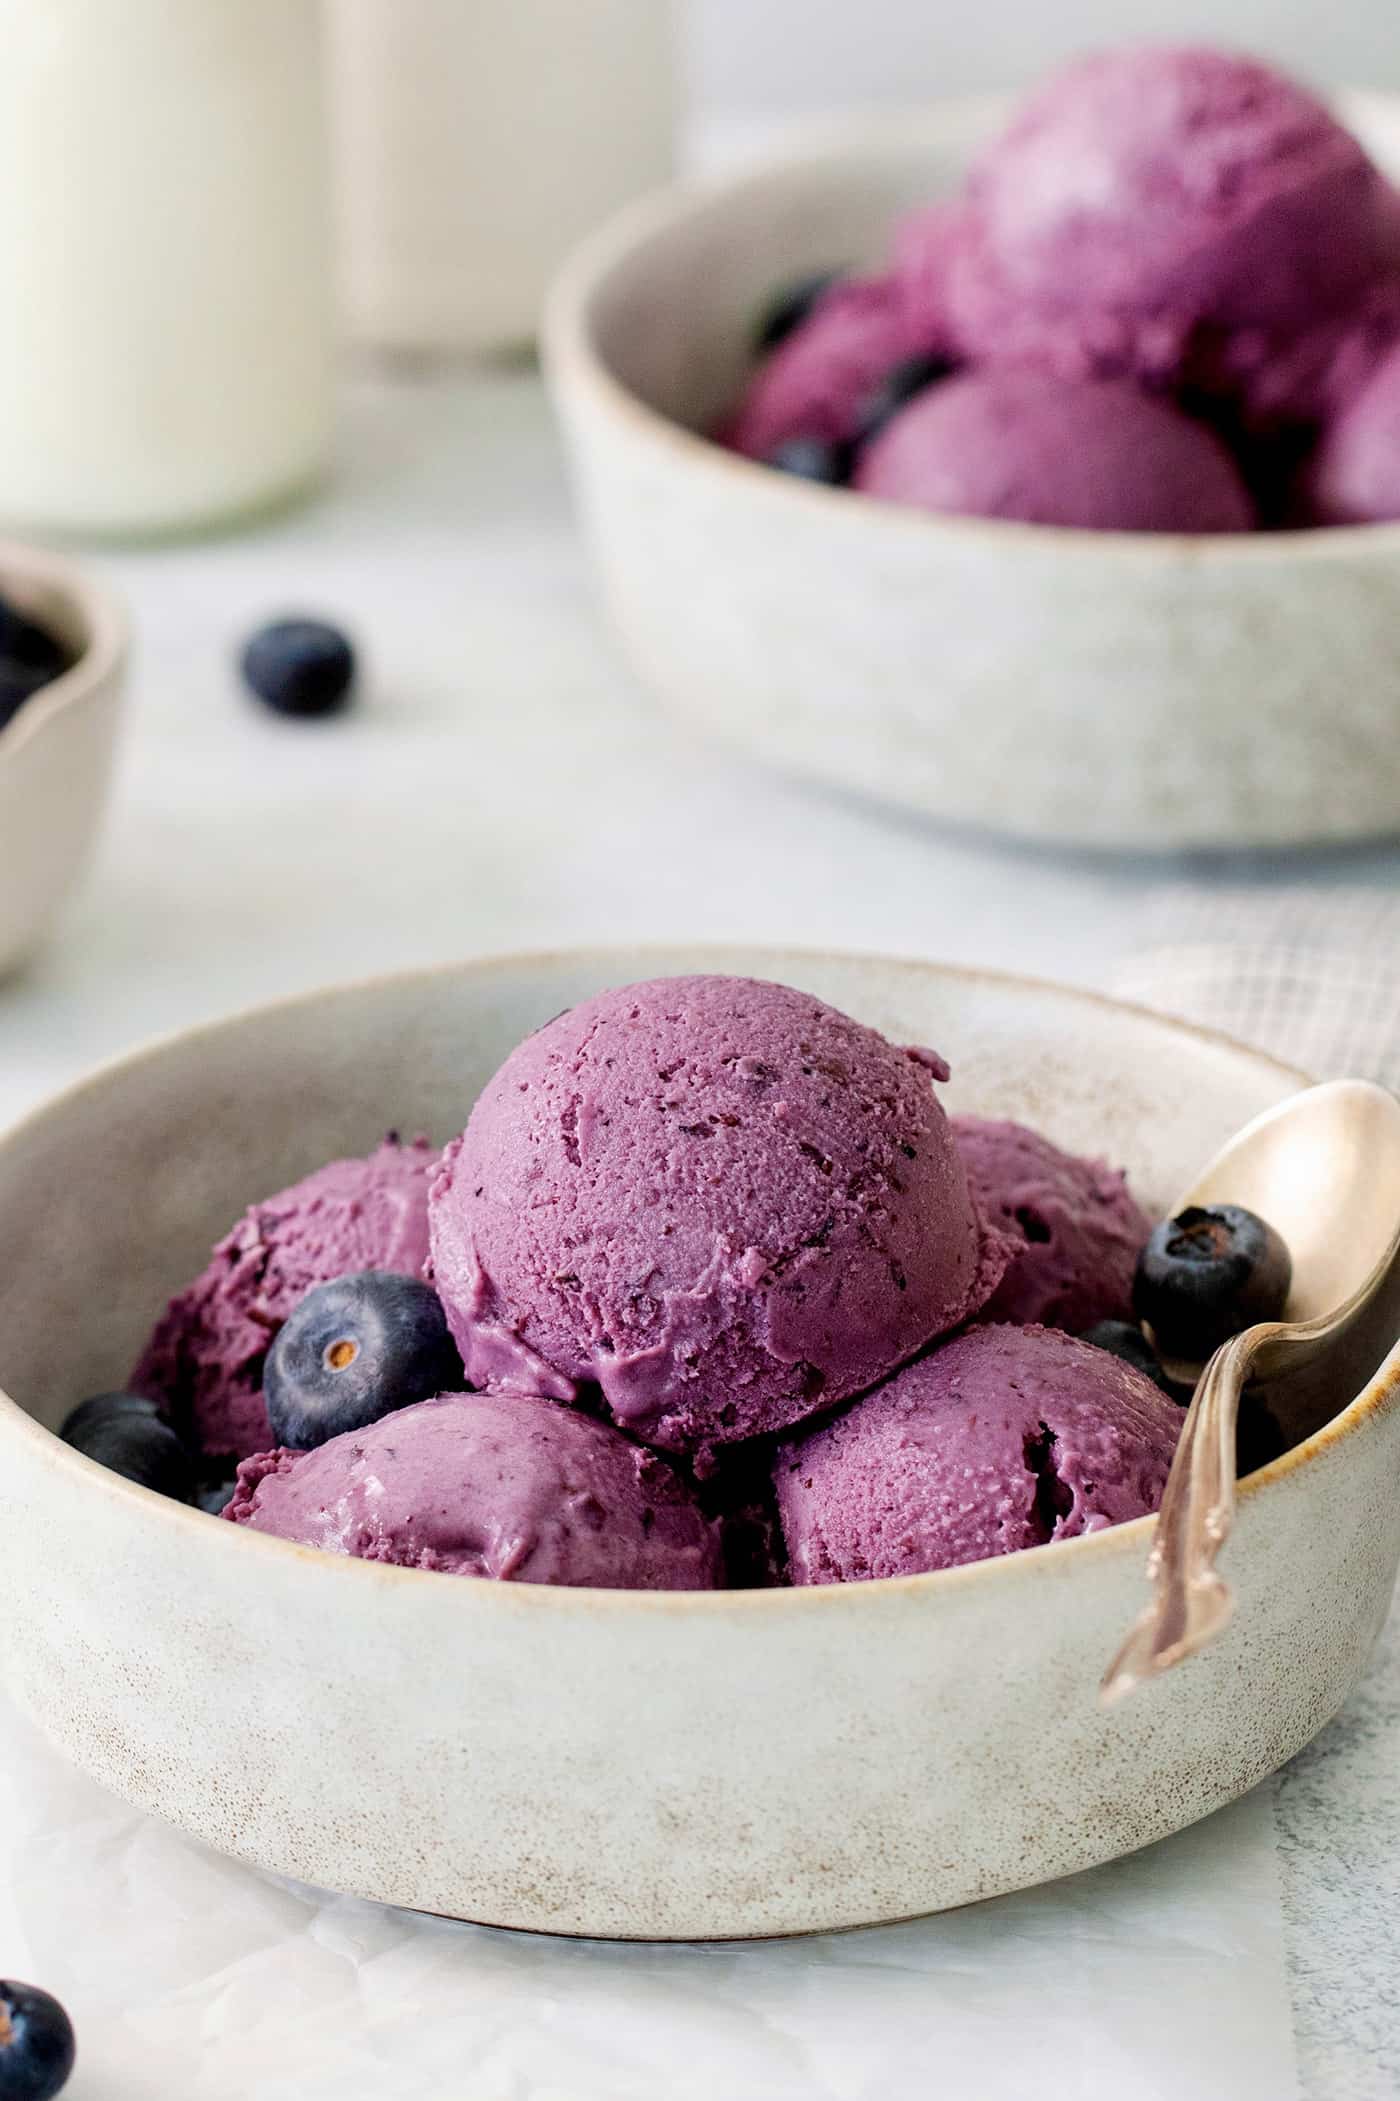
(204,1361)
(1079,1226)
(1025,445)
(520,1490)
(1002,1438)
(1150,204)
(817,383)
(1183,223)
(717,1203)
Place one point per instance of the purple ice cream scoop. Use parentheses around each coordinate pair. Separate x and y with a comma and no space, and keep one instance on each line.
(1078,1223)
(1021,444)
(1003,1438)
(820,380)
(479,1485)
(204,1362)
(718,1201)
(1353,477)
(1173,213)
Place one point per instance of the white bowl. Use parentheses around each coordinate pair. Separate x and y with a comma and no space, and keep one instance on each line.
(56,753)
(612,1762)
(1110,689)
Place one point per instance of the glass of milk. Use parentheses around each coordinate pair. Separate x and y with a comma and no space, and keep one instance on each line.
(475,142)
(165,358)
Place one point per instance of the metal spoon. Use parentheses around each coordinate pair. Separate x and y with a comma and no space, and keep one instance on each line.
(1323,1168)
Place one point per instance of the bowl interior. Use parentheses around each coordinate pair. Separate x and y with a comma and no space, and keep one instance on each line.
(675,286)
(111,1197)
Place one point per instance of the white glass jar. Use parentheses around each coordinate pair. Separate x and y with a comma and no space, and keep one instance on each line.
(475,142)
(164,253)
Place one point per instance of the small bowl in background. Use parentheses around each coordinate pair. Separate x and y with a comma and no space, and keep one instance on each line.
(1116,690)
(56,752)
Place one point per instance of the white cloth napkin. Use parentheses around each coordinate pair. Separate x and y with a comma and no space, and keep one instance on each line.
(1311,975)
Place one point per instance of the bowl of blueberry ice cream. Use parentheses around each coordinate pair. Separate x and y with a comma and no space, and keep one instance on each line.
(687,1476)
(1034,466)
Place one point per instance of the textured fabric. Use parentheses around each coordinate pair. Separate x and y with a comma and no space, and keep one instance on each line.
(1313,977)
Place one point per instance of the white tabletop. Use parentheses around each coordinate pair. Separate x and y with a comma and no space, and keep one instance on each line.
(505,784)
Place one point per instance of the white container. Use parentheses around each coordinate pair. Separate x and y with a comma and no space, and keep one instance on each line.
(164,249)
(475,142)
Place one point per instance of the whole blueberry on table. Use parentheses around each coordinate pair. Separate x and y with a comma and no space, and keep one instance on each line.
(789,308)
(129,1434)
(30,658)
(1208,1273)
(300,667)
(1122,1339)
(354,1350)
(37,2048)
(813,459)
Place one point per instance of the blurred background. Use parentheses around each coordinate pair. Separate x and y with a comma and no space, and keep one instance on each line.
(186,409)
(767,56)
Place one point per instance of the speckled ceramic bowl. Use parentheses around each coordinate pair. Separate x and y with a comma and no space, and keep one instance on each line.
(56,753)
(1107,689)
(611,1762)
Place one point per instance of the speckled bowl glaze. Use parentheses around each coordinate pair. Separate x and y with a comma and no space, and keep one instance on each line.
(1105,689)
(56,753)
(610,1762)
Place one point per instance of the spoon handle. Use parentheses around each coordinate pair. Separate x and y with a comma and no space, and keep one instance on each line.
(1190,1603)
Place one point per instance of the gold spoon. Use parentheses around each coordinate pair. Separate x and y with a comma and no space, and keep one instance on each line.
(1323,1168)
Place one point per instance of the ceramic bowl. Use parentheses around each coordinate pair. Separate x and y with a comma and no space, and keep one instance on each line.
(612,1762)
(56,753)
(1106,689)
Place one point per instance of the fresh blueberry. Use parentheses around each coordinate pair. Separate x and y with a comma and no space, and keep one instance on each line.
(30,657)
(896,390)
(790,308)
(354,1350)
(1205,1275)
(300,667)
(1122,1338)
(37,2048)
(813,459)
(132,1437)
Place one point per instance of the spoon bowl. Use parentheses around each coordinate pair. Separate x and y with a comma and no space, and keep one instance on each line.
(1323,1167)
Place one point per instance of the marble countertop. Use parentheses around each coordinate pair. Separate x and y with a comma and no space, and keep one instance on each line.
(504,784)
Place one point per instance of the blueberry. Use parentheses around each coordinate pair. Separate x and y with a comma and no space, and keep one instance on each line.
(131,1436)
(1205,1275)
(36,2043)
(300,667)
(30,657)
(354,1350)
(813,459)
(1122,1338)
(896,390)
(790,308)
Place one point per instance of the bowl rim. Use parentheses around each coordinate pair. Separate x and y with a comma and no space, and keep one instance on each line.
(97,612)
(1059,1558)
(574,359)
